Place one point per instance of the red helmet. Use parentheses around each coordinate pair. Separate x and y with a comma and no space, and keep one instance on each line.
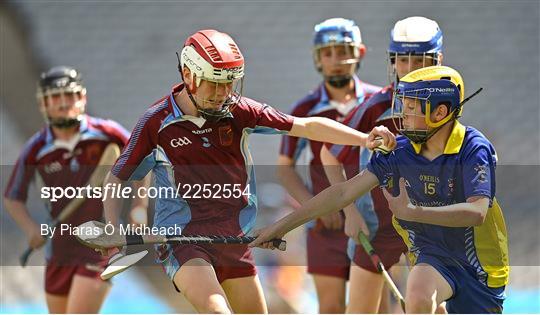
(214,57)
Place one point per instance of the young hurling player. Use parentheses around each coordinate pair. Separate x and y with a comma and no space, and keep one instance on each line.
(337,53)
(195,141)
(440,186)
(65,154)
(415,42)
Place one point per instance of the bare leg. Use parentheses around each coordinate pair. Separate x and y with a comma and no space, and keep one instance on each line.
(426,289)
(197,281)
(87,294)
(331,294)
(385,305)
(364,291)
(245,295)
(56,304)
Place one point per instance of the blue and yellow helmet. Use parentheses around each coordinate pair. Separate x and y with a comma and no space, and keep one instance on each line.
(431,86)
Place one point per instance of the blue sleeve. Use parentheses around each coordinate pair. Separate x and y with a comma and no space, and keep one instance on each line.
(478,169)
(380,165)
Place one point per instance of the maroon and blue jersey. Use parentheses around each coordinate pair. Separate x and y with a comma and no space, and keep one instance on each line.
(206,165)
(375,111)
(65,164)
(318,104)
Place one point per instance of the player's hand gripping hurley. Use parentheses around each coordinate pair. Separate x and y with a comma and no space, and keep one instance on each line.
(101,239)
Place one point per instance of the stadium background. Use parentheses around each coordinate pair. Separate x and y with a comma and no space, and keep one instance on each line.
(126,52)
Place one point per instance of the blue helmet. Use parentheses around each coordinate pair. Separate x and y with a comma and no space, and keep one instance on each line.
(336,31)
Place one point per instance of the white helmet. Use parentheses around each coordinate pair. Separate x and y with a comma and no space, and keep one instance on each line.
(415,36)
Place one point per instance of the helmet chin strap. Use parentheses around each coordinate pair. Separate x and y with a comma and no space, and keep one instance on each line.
(64,123)
(338,81)
(421,136)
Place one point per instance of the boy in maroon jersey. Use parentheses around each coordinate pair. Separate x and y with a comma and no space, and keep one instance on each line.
(65,154)
(337,52)
(195,142)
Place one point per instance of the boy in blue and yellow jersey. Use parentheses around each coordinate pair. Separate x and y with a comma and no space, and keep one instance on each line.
(440,186)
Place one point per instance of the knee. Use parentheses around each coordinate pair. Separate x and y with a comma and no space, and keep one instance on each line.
(419,302)
(207,302)
(214,304)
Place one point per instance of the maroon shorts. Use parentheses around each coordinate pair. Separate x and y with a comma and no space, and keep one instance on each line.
(229,261)
(327,252)
(58,277)
(388,247)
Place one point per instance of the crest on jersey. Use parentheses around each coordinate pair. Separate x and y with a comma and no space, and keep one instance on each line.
(226,135)
(451,186)
(93,152)
(206,142)
(481,173)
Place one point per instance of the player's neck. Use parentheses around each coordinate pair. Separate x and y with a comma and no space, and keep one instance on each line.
(436,144)
(342,95)
(186,105)
(64,134)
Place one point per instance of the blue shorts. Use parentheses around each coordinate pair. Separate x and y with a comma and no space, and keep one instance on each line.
(469,294)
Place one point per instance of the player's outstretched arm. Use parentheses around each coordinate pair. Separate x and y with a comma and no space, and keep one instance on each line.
(329,200)
(327,130)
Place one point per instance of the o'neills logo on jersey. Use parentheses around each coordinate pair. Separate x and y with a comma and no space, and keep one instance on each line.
(178,142)
(203,131)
